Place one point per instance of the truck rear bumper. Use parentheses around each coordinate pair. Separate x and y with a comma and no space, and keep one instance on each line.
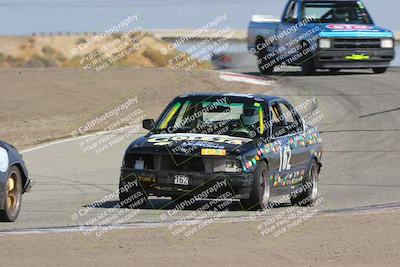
(353,59)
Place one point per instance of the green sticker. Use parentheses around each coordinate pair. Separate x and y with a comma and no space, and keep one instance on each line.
(256,104)
(361,5)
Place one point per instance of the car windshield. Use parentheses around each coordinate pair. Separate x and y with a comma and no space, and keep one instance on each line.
(336,12)
(222,116)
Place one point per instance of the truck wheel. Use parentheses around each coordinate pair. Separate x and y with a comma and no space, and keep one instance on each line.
(13,196)
(310,193)
(260,190)
(379,70)
(135,198)
(265,64)
(307,65)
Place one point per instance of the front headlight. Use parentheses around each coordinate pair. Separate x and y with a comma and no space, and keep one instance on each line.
(387,43)
(325,43)
(4,160)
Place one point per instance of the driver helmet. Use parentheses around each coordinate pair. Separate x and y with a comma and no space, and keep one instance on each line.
(341,13)
(250,115)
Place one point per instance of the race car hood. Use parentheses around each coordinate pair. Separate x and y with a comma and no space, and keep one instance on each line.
(187,144)
(354,31)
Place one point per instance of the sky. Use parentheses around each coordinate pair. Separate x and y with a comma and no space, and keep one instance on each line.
(22,17)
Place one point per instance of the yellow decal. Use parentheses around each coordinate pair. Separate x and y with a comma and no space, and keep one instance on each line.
(261,120)
(213,152)
(146,179)
(170,115)
(357,57)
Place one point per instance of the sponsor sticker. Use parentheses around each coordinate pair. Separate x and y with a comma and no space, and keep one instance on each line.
(213,152)
(146,179)
(349,27)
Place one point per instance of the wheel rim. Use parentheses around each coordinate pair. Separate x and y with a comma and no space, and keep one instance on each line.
(314,181)
(13,194)
(265,186)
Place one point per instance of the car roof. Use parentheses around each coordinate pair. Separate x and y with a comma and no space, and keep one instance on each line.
(257,97)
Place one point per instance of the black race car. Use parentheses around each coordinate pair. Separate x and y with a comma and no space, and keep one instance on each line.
(253,146)
(14,182)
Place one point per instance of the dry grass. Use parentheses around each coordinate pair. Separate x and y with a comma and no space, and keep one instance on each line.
(55,51)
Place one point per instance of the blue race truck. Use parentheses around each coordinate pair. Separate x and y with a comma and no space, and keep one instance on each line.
(321,34)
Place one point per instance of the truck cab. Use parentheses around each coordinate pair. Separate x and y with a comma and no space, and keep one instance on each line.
(321,34)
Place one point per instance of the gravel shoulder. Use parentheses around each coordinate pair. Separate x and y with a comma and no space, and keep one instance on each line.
(342,240)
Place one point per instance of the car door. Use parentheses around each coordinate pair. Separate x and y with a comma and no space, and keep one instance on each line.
(295,138)
(280,157)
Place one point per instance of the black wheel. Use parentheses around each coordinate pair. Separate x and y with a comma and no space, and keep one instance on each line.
(379,70)
(135,198)
(310,193)
(260,191)
(307,65)
(13,196)
(265,61)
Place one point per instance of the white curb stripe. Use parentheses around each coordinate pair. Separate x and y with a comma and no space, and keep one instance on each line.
(235,77)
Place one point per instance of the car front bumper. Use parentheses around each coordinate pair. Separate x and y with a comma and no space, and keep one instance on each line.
(353,58)
(161,183)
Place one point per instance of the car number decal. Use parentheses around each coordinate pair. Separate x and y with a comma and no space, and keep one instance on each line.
(285,155)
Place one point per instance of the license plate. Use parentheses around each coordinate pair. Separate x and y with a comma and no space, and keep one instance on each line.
(181,179)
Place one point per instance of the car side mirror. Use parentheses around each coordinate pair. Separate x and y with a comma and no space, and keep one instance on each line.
(148,124)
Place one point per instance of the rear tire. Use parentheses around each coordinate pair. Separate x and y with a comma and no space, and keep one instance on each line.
(308,196)
(379,70)
(135,198)
(12,195)
(260,190)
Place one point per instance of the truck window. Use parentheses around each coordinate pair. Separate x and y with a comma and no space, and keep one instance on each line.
(291,13)
(336,12)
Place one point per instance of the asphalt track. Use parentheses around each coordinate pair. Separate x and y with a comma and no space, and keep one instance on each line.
(361,135)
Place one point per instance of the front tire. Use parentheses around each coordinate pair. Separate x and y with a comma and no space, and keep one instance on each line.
(310,193)
(307,65)
(379,70)
(13,196)
(265,66)
(260,191)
